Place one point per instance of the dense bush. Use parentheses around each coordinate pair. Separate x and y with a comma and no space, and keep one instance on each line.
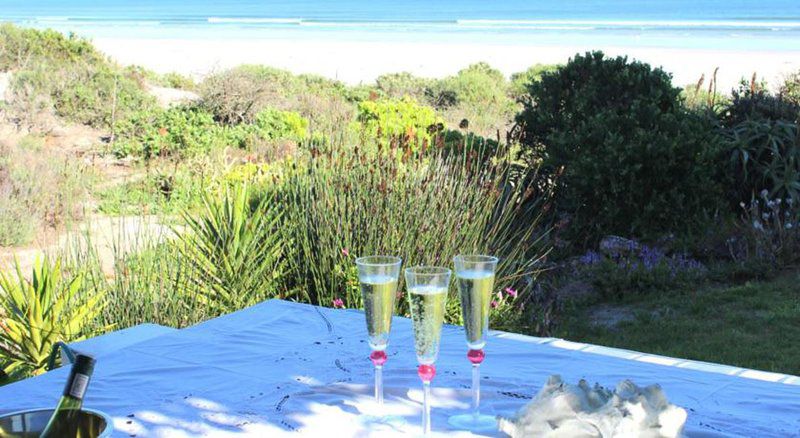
(38,188)
(479,94)
(631,160)
(191,131)
(400,85)
(174,80)
(790,89)
(754,102)
(398,122)
(185,130)
(522,80)
(19,47)
(763,143)
(68,77)
(237,95)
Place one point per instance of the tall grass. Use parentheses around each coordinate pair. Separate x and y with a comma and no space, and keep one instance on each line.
(352,202)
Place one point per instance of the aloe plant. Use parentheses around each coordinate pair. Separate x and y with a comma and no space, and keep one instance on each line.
(38,312)
(233,251)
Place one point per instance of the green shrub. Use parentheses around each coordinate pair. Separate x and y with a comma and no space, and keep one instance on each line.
(790,89)
(176,80)
(37,188)
(237,95)
(38,312)
(400,85)
(17,226)
(479,94)
(192,131)
(19,47)
(763,143)
(398,122)
(165,190)
(754,102)
(185,130)
(522,80)
(67,75)
(630,159)
(478,84)
(352,202)
(76,80)
(272,124)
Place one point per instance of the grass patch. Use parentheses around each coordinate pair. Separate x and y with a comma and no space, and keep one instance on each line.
(755,325)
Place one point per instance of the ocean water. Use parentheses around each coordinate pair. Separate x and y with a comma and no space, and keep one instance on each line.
(759,25)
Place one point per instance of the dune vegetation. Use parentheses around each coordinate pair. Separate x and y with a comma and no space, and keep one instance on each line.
(599,184)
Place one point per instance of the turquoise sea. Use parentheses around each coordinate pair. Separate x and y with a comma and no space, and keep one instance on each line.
(760,25)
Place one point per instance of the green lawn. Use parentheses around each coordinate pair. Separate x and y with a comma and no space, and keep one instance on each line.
(755,325)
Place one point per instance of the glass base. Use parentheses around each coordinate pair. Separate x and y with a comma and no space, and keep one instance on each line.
(472,422)
(392,421)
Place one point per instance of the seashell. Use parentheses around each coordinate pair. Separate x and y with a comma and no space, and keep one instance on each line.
(564,410)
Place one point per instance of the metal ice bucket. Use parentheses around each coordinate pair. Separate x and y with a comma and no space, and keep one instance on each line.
(29,424)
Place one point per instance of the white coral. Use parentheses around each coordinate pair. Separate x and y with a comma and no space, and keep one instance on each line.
(563,410)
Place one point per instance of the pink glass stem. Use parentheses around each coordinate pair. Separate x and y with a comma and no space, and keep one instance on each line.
(378,358)
(426,374)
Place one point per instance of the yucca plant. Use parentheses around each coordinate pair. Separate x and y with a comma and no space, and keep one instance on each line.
(40,311)
(233,251)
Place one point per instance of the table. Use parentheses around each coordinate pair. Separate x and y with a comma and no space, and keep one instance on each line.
(278,368)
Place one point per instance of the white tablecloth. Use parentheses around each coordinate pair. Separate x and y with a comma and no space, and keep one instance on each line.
(281,367)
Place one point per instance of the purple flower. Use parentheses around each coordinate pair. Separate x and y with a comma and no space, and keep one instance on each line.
(651,257)
(345,252)
(590,258)
(338,303)
(494,304)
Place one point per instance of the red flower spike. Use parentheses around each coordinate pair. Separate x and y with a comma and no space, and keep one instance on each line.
(426,372)
(476,356)
(378,358)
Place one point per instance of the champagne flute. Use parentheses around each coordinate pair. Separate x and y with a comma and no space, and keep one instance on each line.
(427,297)
(378,276)
(475,280)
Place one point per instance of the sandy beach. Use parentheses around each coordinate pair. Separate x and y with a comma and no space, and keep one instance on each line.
(362,61)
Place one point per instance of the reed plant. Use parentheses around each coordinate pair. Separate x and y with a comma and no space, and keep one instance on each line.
(424,208)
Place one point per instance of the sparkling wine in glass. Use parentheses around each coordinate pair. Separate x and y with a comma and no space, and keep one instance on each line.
(378,277)
(475,280)
(427,297)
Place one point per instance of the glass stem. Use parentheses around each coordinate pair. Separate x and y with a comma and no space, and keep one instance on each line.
(476,390)
(379,385)
(426,408)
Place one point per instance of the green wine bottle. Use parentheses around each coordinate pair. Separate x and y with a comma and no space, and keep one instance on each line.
(64,423)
